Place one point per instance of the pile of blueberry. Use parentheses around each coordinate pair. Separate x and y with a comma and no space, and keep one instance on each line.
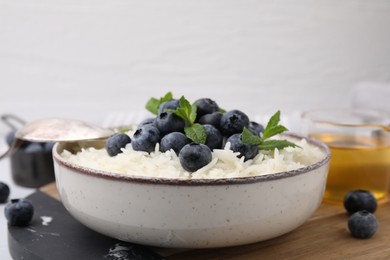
(360,205)
(168,129)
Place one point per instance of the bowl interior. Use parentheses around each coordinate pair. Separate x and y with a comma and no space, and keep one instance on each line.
(75,147)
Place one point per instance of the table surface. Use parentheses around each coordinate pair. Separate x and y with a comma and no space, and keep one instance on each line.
(323,236)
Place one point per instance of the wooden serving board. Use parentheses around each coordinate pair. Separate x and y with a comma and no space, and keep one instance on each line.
(323,236)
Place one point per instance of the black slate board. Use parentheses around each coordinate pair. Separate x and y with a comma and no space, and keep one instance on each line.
(63,237)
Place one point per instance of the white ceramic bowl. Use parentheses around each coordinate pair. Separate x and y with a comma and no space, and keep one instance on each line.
(191,213)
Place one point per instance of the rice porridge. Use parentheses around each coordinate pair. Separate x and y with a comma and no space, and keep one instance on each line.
(225,163)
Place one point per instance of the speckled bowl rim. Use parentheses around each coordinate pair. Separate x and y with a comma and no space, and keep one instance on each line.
(196,182)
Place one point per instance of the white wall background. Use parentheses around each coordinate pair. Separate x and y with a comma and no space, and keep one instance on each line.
(85,59)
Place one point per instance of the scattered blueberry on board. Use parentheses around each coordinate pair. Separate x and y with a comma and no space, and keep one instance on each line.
(360,205)
(359,200)
(19,212)
(4,192)
(362,224)
(194,130)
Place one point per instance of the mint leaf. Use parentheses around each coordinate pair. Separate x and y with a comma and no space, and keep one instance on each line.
(153,104)
(221,110)
(248,137)
(184,103)
(273,130)
(193,113)
(180,112)
(278,144)
(273,121)
(186,111)
(123,130)
(196,132)
(168,97)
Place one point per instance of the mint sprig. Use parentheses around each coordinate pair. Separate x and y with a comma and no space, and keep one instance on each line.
(278,144)
(153,104)
(273,128)
(186,110)
(194,131)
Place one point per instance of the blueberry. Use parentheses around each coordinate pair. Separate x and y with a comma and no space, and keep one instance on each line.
(246,150)
(175,141)
(147,121)
(205,106)
(256,128)
(214,137)
(233,122)
(360,200)
(116,142)
(19,212)
(4,192)
(362,224)
(211,119)
(168,122)
(145,138)
(194,156)
(171,104)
